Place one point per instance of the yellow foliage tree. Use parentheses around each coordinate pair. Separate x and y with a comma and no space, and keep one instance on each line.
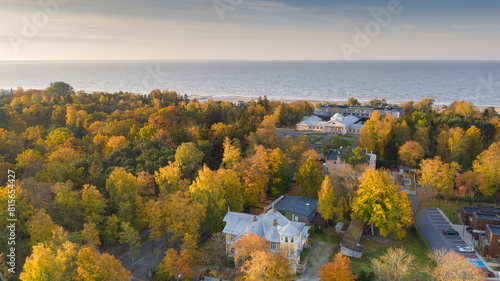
(169,177)
(40,227)
(183,216)
(488,165)
(326,199)
(214,190)
(254,172)
(90,235)
(438,176)
(91,265)
(411,153)
(379,203)
(309,178)
(231,155)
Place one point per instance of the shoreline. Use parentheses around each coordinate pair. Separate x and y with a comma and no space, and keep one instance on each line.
(236,99)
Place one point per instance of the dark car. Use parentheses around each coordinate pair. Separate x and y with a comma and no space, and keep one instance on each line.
(450,232)
(487,272)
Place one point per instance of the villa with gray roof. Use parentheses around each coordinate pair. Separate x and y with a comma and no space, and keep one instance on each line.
(338,125)
(272,225)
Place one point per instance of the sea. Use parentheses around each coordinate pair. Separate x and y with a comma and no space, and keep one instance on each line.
(396,81)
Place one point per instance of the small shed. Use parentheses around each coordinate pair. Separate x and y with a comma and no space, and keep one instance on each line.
(350,243)
(339,226)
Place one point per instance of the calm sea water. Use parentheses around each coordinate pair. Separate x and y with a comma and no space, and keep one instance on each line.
(396,81)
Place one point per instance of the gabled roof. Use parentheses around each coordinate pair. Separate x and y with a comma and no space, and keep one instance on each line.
(262,225)
(237,222)
(354,232)
(298,205)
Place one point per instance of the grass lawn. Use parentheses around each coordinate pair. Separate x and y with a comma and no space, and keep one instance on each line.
(451,208)
(376,247)
(303,255)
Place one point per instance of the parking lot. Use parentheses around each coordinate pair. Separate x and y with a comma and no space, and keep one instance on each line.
(431,223)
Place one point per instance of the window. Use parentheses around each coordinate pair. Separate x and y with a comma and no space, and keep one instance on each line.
(291,240)
(286,239)
(273,246)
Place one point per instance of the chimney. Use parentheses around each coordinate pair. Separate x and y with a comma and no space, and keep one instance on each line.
(254,218)
(274,209)
(275,222)
(263,210)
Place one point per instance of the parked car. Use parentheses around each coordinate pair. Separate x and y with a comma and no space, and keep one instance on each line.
(487,272)
(466,249)
(450,231)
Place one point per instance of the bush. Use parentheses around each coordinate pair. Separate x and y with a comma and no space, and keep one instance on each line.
(363,276)
(386,163)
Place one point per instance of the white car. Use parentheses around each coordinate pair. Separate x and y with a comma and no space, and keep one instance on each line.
(466,249)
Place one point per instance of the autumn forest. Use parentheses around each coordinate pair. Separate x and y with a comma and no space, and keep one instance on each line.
(96,170)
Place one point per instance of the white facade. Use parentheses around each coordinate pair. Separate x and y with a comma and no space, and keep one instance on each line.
(338,125)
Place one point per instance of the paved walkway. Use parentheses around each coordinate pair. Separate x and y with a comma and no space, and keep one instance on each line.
(317,257)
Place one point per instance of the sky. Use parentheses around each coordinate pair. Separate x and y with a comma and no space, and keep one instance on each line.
(249,30)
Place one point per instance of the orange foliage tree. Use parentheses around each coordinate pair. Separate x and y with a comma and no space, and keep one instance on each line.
(338,269)
(183,264)
(258,262)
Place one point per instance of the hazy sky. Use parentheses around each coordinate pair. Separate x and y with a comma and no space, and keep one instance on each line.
(248,29)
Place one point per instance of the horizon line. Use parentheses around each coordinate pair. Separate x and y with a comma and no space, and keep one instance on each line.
(250,60)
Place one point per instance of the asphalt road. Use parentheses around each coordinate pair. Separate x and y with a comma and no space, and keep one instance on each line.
(145,259)
(430,223)
(283,132)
